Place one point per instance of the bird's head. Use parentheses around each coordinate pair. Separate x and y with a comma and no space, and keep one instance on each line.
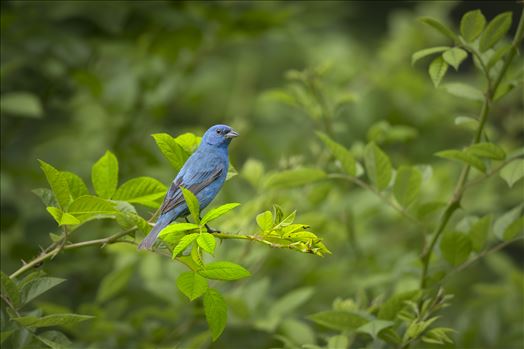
(219,135)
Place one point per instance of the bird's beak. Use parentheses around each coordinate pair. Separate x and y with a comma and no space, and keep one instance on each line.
(231,134)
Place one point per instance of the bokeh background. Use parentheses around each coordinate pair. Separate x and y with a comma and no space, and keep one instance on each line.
(92,76)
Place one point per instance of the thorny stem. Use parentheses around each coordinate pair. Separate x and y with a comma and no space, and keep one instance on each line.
(454,202)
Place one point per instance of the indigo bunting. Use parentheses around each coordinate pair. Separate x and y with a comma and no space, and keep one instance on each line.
(203,174)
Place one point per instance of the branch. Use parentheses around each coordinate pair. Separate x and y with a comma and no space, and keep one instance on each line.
(454,202)
(49,253)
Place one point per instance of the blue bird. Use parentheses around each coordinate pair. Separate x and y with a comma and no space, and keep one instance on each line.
(203,174)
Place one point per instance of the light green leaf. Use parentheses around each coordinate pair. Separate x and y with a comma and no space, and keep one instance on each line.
(58,184)
(192,204)
(463,91)
(9,289)
(455,57)
(141,190)
(178,227)
(191,285)
(76,185)
(51,320)
(472,24)
(295,177)
(498,54)
(188,141)
(478,233)
(437,69)
(224,270)
(496,29)
(184,243)
(462,156)
(265,220)
(171,149)
(343,155)
(56,213)
(114,282)
(104,175)
(513,172)
(35,287)
(374,327)
(487,150)
(467,122)
(426,52)
(455,247)
(503,222)
(378,166)
(207,242)
(21,104)
(407,185)
(338,320)
(215,308)
(338,342)
(442,28)
(515,228)
(62,218)
(217,212)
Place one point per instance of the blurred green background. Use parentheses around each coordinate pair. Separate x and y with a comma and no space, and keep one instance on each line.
(92,76)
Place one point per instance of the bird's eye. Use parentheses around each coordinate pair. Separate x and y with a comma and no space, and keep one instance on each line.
(218,131)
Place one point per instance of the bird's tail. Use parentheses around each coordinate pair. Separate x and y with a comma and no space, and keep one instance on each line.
(150,239)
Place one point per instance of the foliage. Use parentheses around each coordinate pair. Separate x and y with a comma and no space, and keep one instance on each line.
(404,185)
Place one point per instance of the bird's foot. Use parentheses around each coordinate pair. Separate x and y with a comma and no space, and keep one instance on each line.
(211,230)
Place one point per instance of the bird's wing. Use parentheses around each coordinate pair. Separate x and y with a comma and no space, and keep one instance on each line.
(194,182)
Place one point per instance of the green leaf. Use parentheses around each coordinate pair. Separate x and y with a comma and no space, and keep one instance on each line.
(87,206)
(338,320)
(426,52)
(463,91)
(407,185)
(192,204)
(394,305)
(343,155)
(515,228)
(217,212)
(338,342)
(141,190)
(191,285)
(504,222)
(442,28)
(224,270)
(513,172)
(188,141)
(114,282)
(46,196)
(487,150)
(496,29)
(76,185)
(21,104)
(467,122)
(378,166)
(5,334)
(498,54)
(265,221)
(290,301)
(171,149)
(437,69)
(478,233)
(62,218)
(374,327)
(184,243)
(207,242)
(455,56)
(54,339)
(58,184)
(455,247)
(215,308)
(9,289)
(462,156)
(104,175)
(295,177)
(178,227)
(472,24)
(36,287)
(51,320)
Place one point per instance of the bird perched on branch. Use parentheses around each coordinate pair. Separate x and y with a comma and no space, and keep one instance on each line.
(203,174)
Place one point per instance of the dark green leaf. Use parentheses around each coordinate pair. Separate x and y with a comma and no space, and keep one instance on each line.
(54,340)
(343,155)
(104,175)
(46,196)
(455,56)
(426,52)
(437,69)
(224,270)
(36,287)
(218,211)
(455,247)
(141,190)
(515,228)
(338,320)
(215,308)
(496,29)
(442,28)
(51,320)
(407,185)
(472,24)
(192,285)
(487,150)
(171,149)
(378,166)
(192,204)
(462,156)
(9,289)
(58,184)
(21,104)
